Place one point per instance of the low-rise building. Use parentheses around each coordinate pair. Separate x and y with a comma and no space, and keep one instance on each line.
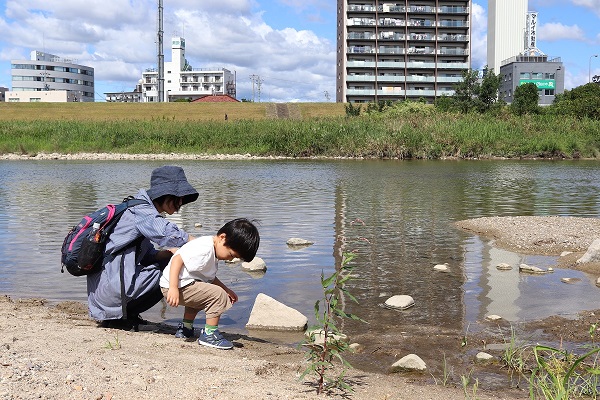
(135,96)
(547,74)
(3,91)
(44,72)
(183,82)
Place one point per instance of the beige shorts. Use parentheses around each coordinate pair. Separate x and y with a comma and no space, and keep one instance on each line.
(203,296)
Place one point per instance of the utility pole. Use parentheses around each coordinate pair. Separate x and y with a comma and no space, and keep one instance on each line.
(161,56)
(256,79)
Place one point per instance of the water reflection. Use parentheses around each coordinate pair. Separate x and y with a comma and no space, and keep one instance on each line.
(397,216)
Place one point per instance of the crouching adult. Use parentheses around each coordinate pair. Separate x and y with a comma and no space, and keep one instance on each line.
(128,283)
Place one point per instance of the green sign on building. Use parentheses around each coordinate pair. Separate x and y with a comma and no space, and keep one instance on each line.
(540,83)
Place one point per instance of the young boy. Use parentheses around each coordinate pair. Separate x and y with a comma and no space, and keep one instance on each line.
(191,278)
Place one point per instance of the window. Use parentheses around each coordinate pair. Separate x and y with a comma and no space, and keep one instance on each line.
(548,92)
(35,99)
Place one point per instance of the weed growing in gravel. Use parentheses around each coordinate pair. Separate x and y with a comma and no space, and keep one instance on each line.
(326,343)
(561,375)
(116,345)
(466,380)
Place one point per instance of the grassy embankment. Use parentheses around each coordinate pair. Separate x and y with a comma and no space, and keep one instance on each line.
(296,130)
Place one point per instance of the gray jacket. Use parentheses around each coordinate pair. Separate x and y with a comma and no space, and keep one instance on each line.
(141,272)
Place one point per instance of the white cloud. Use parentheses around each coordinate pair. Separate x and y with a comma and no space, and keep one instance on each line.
(118,39)
(556,31)
(593,5)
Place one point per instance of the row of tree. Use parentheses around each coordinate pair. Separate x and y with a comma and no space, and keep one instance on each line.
(482,95)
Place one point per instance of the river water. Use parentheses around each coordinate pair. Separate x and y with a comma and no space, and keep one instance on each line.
(397,216)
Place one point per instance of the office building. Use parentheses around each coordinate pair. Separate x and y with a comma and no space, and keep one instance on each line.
(402,50)
(183,82)
(47,77)
(506,31)
(547,74)
(532,66)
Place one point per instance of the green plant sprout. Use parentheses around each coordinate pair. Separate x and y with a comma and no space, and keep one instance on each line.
(326,343)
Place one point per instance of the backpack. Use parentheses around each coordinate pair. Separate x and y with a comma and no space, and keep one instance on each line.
(82,251)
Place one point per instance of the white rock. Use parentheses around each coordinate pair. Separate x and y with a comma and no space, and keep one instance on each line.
(504,267)
(399,302)
(197,225)
(441,267)
(493,317)
(570,280)
(411,362)
(592,254)
(530,269)
(483,356)
(356,347)
(267,313)
(319,336)
(298,242)
(598,282)
(565,253)
(257,264)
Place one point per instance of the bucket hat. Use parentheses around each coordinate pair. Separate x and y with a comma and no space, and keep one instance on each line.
(171,180)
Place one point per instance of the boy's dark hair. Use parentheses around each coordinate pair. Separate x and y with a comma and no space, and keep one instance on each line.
(242,237)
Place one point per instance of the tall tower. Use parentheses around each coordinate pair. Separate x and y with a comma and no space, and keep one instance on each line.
(401,49)
(506,30)
(161,56)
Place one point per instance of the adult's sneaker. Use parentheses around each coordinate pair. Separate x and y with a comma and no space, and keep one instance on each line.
(183,332)
(215,340)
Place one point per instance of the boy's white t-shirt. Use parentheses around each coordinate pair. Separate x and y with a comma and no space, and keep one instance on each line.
(199,262)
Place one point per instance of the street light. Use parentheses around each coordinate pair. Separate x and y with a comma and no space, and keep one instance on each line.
(590,68)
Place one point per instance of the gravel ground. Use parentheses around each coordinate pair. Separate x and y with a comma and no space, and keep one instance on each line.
(537,235)
(58,353)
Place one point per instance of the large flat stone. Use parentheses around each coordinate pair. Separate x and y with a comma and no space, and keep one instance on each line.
(268,313)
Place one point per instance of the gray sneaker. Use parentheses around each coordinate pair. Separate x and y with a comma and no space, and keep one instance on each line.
(183,332)
(215,340)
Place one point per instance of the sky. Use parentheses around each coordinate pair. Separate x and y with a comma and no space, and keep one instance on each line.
(289,44)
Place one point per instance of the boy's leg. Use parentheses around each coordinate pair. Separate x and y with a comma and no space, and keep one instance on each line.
(186,327)
(214,301)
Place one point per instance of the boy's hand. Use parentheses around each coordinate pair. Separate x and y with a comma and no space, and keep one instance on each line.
(232,296)
(173,297)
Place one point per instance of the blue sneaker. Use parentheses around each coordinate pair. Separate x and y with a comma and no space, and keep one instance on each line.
(215,340)
(183,332)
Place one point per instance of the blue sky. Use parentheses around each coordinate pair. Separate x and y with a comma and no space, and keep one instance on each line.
(289,44)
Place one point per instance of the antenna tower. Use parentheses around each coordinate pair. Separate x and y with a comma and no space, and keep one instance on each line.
(161,56)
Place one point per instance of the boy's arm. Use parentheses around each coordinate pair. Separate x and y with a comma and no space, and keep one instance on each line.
(232,296)
(173,293)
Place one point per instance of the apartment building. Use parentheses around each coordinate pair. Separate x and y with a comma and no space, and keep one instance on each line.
(401,50)
(47,77)
(183,82)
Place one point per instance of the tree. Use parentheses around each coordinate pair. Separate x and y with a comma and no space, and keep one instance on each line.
(525,100)
(488,92)
(582,101)
(466,92)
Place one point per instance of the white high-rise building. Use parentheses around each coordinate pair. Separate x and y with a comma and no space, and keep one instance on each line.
(506,31)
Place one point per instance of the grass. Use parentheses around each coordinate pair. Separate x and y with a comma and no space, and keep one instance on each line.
(178,111)
(407,131)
